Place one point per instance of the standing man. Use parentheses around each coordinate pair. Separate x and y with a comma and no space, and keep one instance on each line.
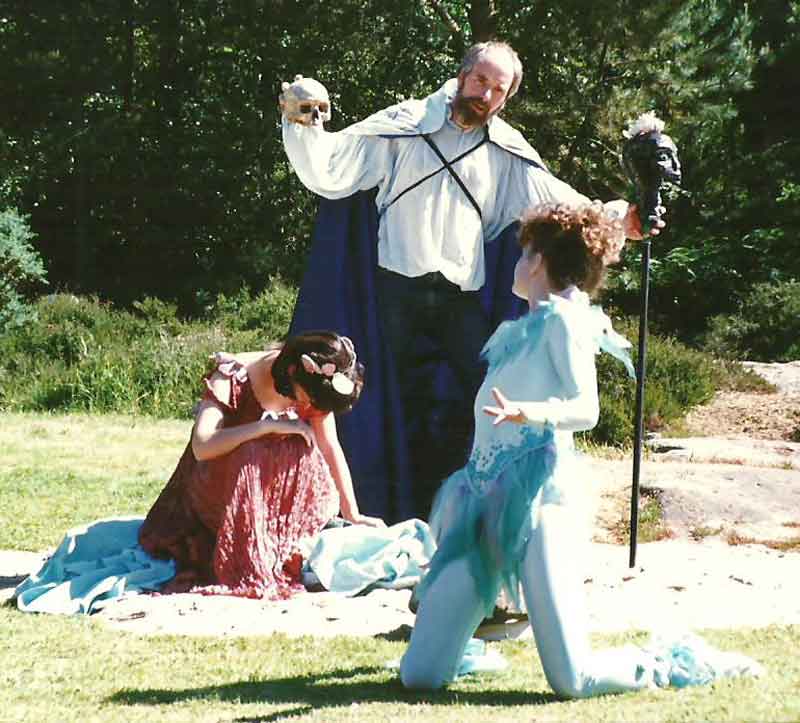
(450,175)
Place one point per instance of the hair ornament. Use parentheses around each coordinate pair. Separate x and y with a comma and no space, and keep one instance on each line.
(340,382)
(347,343)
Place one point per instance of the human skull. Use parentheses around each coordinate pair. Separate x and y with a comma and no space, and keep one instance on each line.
(305,101)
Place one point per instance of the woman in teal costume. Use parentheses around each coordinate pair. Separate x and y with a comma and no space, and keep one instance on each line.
(508,518)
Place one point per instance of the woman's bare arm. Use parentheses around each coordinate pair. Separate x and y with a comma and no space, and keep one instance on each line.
(324,427)
(210,439)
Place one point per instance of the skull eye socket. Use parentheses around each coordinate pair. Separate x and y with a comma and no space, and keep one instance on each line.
(306,107)
(323,107)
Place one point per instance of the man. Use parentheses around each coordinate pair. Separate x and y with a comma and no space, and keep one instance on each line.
(450,175)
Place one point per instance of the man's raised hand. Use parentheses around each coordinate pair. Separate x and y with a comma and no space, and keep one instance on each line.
(632,224)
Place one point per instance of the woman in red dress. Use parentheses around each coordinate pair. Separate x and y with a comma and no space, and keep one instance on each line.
(263,471)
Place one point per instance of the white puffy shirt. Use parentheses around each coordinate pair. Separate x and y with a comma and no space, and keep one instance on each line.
(433,227)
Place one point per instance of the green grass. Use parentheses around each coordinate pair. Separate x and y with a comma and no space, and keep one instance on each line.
(603,451)
(76,670)
(703,531)
(59,471)
(651,527)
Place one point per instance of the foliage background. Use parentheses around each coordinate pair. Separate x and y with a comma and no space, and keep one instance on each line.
(79,354)
(142,137)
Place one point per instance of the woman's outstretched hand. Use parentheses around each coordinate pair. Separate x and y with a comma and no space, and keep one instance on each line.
(506,410)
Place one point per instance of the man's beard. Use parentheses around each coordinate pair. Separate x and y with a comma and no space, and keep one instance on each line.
(470,112)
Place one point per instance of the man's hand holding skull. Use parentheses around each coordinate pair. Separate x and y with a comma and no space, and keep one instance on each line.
(305,101)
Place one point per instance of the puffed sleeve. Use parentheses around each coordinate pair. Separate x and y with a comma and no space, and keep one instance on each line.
(526,185)
(572,349)
(236,375)
(336,165)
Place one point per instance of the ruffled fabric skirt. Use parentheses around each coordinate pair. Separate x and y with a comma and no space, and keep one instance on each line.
(234,524)
(490,524)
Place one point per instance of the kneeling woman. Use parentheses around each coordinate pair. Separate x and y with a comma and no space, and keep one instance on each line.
(510,517)
(262,473)
(263,470)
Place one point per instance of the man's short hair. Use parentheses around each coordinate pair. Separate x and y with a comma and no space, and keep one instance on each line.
(477,51)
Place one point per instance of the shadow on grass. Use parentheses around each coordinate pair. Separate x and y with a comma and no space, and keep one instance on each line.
(333,689)
(8,581)
(401,634)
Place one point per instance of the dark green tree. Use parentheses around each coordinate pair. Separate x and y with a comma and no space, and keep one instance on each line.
(143,138)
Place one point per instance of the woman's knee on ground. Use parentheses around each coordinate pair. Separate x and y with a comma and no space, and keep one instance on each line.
(421,672)
(567,684)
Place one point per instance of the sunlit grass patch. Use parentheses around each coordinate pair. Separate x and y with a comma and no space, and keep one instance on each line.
(74,669)
(702,531)
(58,471)
(651,527)
(791,544)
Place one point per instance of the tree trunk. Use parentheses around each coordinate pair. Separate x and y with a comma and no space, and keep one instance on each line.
(168,59)
(456,34)
(83,255)
(483,20)
(129,80)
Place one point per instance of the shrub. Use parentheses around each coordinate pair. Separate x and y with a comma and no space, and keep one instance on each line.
(156,311)
(269,313)
(677,378)
(82,354)
(21,269)
(766,327)
(733,376)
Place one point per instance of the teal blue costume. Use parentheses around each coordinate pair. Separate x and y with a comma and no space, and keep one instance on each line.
(508,519)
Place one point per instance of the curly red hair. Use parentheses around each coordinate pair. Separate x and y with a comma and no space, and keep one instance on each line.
(576,242)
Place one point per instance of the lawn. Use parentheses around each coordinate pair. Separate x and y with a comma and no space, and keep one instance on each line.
(58,471)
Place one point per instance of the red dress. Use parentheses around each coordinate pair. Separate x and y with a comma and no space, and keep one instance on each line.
(233,523)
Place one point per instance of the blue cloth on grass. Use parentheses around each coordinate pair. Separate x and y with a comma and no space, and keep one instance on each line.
(351,559)
(94,564)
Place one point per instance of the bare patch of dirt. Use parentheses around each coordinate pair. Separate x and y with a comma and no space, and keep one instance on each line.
(771,416)
(747,415)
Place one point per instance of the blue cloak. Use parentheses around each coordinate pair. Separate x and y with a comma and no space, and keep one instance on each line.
(338,293)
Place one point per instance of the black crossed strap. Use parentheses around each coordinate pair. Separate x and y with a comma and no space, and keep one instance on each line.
(448,165)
